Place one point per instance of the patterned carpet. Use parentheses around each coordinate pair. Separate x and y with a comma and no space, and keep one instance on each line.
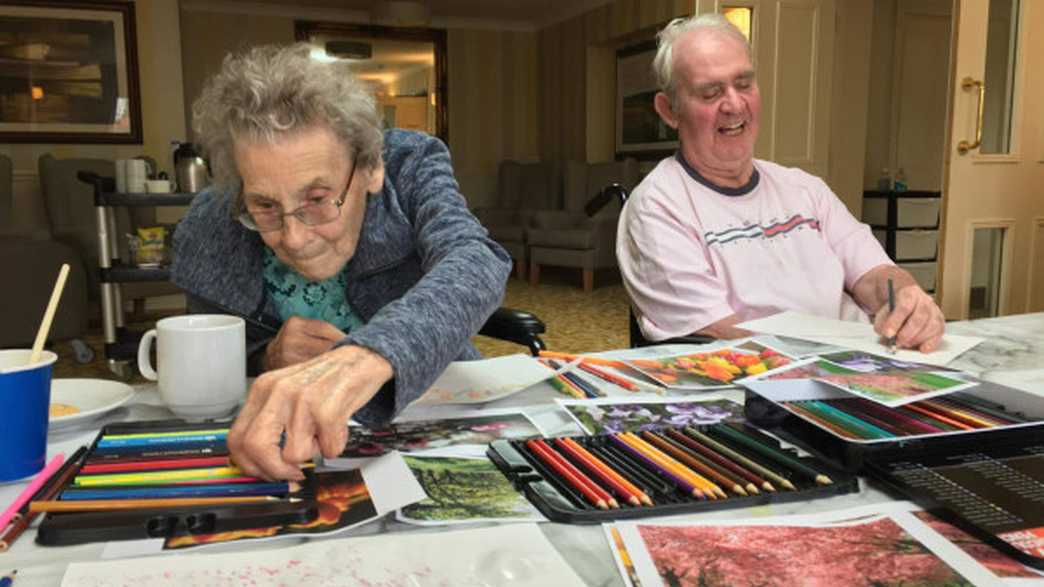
(576,321)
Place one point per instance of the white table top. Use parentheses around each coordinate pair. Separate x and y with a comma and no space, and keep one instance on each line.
(1013,354)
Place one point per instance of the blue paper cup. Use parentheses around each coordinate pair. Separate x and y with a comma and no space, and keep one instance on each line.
(25,398)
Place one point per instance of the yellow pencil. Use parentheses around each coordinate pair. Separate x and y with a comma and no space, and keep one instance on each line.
(165,434)
(158,476)
(137,504)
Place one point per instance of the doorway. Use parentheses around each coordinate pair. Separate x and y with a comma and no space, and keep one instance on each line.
(405,68)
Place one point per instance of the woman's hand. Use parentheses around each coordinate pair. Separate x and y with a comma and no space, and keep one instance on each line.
(298,340)
(311,402)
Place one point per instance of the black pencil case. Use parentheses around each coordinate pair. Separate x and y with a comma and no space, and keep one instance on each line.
(561,503)
(993,490)
(97,526)
(852,455)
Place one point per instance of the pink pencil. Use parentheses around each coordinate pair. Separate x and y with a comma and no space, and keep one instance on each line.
(37,482)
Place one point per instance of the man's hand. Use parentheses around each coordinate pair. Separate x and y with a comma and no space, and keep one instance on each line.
(311,402)
(916,322)
(299,340)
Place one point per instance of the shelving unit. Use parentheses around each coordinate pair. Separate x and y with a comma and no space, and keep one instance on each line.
(121,345)
(909,224)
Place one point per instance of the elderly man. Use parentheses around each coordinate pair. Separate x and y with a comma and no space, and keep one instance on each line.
(713,237)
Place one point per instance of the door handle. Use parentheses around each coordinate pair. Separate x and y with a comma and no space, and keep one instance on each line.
(967,84)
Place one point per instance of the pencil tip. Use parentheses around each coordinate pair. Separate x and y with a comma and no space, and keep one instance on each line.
(824,480)
(646,500)
(788,485)
(739,490)
(634,501)
(751,488)
(768,487)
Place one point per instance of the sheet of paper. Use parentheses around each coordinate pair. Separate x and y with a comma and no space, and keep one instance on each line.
(470,382)
(517,555)
(414,435)
(847,547)
(611,415)
(464,490)
(716,368)
(854,335)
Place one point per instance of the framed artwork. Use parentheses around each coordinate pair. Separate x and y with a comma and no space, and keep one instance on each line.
(68,72)
(639,130)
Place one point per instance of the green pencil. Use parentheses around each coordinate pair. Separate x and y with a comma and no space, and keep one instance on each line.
(757,468)
(771,453)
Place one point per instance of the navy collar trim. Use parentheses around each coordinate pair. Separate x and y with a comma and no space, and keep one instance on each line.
(725,191)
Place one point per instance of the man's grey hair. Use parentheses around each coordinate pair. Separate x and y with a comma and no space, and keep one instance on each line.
(663,63)
(272,91)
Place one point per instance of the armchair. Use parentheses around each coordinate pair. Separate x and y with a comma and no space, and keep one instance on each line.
(570,237)
(522,189)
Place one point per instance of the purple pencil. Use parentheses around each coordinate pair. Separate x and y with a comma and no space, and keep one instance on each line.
(682,483)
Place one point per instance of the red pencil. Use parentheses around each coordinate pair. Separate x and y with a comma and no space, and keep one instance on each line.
(544,453)
(583,478)
(611,378)
(570,447)
(126,467)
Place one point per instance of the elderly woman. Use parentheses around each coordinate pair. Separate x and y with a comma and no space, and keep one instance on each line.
(354,243)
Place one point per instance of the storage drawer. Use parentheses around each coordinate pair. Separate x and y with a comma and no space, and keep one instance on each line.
(910,212)
(912,245)
(924,273)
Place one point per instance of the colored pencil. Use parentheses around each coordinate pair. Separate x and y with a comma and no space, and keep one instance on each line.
(705,485)
(141,504)
(937,416)
(563,387)
(847,422)
(153,465)
(799,408)
(583,477)
(735,456)
(587,461)
(172,434)
(724,476)
(954,415)
(753,481)
(569,357)
(154,441)
(610,377)
(587,387)
(899,417)
(772,453)
(998,418)
(52,488)
(30,490)
(181,482)
(542,451)
(681,481)
(634,472)
(694,461)
(157,477)
(891,425)
(643,497)
(157,453)
(891,308)
(997,410)
(173,491)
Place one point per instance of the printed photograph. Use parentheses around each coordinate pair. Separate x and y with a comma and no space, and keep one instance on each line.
(464,490)
(610,418)
(878,553)
(865,362)
(895,388)
(996,561)
(343,499)
(425,434)
(719,368)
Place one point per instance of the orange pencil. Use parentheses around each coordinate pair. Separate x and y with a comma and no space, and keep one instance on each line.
(938,416)
(544,453)
(587,460)
(957,414)
(602,493)
(611,378)
(709,487)
(642,496)
(89,505)
(592,360)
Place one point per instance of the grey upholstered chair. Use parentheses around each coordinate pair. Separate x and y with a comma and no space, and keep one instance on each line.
(71,212)
(569,238)
(522,189)
(31,261)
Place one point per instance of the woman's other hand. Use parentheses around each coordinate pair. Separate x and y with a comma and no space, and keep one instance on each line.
(299,340)
(312,402)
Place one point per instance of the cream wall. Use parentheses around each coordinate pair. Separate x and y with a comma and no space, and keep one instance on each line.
(160,81)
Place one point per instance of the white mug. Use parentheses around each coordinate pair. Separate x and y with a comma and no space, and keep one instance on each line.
(201,360)
(137,171)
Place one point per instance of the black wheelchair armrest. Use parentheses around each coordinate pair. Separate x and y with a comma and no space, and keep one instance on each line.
(516,326)
(639,340)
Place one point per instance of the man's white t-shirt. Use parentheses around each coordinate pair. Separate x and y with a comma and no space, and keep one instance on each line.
(692,253)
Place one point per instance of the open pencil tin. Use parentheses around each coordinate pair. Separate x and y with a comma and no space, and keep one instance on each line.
(560,502)
(851,455)
(82,527)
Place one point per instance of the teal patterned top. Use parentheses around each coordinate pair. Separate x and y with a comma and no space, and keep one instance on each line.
(293,295)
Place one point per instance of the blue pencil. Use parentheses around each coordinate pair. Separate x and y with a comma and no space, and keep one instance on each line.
(169,491)
(160,440)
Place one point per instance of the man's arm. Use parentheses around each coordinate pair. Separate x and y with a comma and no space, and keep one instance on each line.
(725,329)
(917,322)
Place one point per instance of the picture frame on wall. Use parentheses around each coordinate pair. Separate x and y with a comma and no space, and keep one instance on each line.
(640,132)
(68,72)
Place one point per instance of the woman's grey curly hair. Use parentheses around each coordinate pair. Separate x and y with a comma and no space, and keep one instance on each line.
(663,63)
(273,90)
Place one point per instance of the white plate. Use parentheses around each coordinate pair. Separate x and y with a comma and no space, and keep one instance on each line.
(93,397)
